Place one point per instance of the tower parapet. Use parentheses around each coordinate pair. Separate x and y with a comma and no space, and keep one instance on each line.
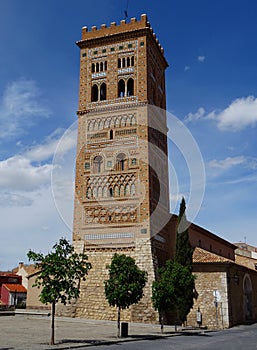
(131,28)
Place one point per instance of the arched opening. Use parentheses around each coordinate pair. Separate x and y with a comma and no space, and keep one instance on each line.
(130,87)
(128,61)
(105,65)
(103,92)
(94,93)
(93,68)
(110,192)
(97,67)
(132,61)
(248,298)
(121,88)
(124,62)
(101,66)
(121,162)
(97,164)
(119,63)
(111,134)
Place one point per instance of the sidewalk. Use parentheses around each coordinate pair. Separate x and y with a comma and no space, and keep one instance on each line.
(32,332)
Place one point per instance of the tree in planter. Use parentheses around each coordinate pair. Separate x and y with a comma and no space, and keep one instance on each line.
(184,256)
(125,284)
(59,274)
(168,291)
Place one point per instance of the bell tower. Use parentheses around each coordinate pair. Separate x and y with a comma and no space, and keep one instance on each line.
(121,188)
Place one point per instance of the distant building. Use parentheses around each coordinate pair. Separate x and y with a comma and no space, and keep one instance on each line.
(11,290)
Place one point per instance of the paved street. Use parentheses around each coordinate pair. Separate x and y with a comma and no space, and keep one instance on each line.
(26,332)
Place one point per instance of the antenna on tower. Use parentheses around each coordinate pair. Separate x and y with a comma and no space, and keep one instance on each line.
(126,10)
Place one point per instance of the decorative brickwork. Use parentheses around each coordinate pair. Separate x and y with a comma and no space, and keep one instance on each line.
(122,145)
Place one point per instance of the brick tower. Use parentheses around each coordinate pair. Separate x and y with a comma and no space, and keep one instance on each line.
(121,189)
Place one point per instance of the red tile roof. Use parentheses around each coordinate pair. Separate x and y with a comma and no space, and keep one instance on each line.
(15,288)
(203,256)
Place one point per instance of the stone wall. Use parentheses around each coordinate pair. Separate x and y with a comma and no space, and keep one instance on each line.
(206,283)
(92,303)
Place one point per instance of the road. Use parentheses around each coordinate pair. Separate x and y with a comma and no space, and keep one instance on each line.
(237,338)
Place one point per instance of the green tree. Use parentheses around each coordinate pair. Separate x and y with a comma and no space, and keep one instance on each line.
(184,257)
(184,250)
(168,291)
(125,284)
(59,274)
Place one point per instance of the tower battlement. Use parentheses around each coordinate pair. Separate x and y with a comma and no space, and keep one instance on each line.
(122,28)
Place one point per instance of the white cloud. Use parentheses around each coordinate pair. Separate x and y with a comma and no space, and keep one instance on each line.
(191,117)
(20,105)
(201,58)
(187,68)
(227,163)
(240,114)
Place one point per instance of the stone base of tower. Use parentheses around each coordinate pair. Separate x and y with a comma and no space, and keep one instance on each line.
(92,303)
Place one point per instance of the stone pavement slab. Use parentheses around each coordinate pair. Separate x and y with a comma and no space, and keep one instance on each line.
(32,332)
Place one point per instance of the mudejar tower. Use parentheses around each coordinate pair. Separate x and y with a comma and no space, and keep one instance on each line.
(121,187)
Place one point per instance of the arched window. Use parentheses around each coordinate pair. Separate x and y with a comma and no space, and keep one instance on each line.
(119,63)
(121,162)
(103,92)
(100,192)
(121,88)
(101,66)
(111,134)
(127,190)
(124,62)
(93,68)
(133,190)
(130,87)
(110,192)
(97,164)
(105,191)
(105,65)
(94,192)
(97,67)
(132,61)
(128,61)
(94,93)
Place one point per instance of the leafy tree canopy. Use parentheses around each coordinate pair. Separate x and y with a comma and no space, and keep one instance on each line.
(59,272)
(126,282)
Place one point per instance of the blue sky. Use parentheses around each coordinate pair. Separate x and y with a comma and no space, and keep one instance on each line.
(211,87)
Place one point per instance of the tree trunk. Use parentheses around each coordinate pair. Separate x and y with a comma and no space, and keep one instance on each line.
(52,326)
(162,322)
(118,323)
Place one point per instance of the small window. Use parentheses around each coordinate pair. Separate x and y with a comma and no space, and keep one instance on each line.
(142,43)
(105,65)
(144,230)
(119,63)
(134,161)
(123,62)
(112,49)
(132,61)
(121,47)
(87,166)
(95,52)
(84,54)
(93,68)
(109,163)
(104,50)
(94,93)
(103,92)
(121,88)
(111,134)
(101,66)
(97,67)
(130,86)
(130,46)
